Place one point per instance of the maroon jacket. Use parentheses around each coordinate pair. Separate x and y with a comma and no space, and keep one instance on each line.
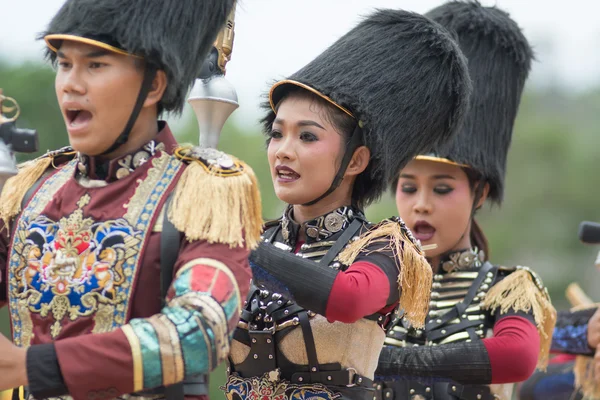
(83,281)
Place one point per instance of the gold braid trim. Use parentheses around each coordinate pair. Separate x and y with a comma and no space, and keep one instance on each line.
(585,378)
(15,188)
(220,205)
(136,354)
(414,272)
(519,292)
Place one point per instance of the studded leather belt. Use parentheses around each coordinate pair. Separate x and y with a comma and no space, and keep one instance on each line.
(412,390)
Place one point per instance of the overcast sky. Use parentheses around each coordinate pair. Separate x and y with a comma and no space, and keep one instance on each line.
(274,38)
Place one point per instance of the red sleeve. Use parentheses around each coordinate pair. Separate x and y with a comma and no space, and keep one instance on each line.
(513,350)
(98,365)
(361,290)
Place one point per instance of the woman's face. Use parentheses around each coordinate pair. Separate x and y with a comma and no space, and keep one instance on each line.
(435,200)
(304,151)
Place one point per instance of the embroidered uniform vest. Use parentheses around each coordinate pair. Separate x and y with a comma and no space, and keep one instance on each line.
(71,273)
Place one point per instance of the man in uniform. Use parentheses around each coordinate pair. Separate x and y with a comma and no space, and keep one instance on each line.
(95,235)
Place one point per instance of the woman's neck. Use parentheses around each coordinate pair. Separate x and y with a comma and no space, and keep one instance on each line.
(301,213)
(464,243)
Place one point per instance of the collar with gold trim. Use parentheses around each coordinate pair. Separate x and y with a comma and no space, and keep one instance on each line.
(318,229)
(119,168)
(462,260)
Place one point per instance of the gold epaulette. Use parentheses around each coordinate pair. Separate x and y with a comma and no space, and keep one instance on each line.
(523,290)
(414,272)
(29,172)
(216,199)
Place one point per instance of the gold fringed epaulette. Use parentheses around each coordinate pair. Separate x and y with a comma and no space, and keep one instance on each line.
(216,199)
(585,378)
(523,290)
(29,172)
(414,272)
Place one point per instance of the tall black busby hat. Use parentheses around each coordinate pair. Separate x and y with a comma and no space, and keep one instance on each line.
(499,59)
(171,35)
(404,80)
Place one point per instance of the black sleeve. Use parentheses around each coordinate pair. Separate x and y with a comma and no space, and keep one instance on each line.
(466,363)
(43,372)
(308,282)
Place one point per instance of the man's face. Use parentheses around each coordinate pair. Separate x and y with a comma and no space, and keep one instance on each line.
(96,91)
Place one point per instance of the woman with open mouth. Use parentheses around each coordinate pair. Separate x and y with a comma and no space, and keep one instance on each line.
(487,324)
(327,282)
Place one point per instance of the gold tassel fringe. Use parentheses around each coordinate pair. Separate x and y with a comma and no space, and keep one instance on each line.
(415,275)
(15,188)
(219,208)
(585,379)
(519,292)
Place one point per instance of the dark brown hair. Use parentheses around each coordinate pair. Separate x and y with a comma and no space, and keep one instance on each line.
(477,235)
